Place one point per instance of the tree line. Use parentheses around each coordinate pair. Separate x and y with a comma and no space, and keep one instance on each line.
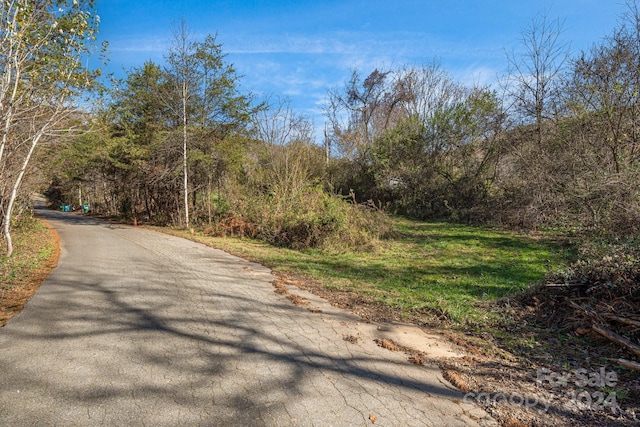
(553,144)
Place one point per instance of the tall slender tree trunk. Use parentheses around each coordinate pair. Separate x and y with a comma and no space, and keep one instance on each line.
(184,153)
(6,226)
(209,199)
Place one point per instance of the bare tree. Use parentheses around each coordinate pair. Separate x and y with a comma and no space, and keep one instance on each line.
(352,111)
(290,164)
(605,87)
(426,90)
(533,76)
(278,124)
(430,95)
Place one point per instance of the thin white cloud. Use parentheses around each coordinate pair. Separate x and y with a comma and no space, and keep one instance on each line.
(149,44)
(476,75)
(342,43)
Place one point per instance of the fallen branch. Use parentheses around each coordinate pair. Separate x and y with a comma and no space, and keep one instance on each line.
(576,306)
(564,285)
(629,364)
(618,339)
(623,320)
(586,311)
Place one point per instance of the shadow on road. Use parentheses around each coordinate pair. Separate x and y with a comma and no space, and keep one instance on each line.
(71,218)
(200,343)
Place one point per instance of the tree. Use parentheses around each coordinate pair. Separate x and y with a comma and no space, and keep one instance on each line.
(277,124)
(534,75)
(605,87)
(169,134)
(431,96)
(43,46)
(354,112)
(440,162)
(202,92)
(357,114)
(184,75)
(289,157)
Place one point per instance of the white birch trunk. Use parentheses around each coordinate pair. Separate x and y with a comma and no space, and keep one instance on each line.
(6,227)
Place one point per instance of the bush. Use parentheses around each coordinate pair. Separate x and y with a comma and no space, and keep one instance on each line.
(365,225)
(312,218)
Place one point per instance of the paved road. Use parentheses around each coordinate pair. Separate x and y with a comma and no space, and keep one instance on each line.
(139,328)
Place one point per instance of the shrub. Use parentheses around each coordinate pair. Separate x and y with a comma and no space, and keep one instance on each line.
(312,218)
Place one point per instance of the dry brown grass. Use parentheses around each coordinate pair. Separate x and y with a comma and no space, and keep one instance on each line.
(36,253)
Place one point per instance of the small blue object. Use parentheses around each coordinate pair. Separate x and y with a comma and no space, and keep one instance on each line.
(67,208)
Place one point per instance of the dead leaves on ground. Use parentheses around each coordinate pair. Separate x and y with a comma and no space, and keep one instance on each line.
(280,284)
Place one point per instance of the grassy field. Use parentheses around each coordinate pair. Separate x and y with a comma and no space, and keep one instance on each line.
(434,268)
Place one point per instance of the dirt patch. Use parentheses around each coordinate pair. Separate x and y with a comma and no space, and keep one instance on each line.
(281,288)
(368,311)
(418,360)
(281,285)
(297,300)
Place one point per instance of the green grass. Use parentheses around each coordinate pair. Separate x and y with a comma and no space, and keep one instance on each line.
(433,268)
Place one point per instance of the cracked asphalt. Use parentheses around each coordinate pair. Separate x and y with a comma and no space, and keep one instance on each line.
(135,327)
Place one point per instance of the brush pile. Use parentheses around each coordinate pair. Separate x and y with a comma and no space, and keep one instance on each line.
(598,294)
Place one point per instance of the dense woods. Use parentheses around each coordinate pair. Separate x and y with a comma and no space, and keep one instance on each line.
(553,144)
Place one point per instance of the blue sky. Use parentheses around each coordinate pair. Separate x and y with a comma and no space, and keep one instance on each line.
(300,49)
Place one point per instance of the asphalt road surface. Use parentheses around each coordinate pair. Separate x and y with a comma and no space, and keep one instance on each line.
(135,327)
